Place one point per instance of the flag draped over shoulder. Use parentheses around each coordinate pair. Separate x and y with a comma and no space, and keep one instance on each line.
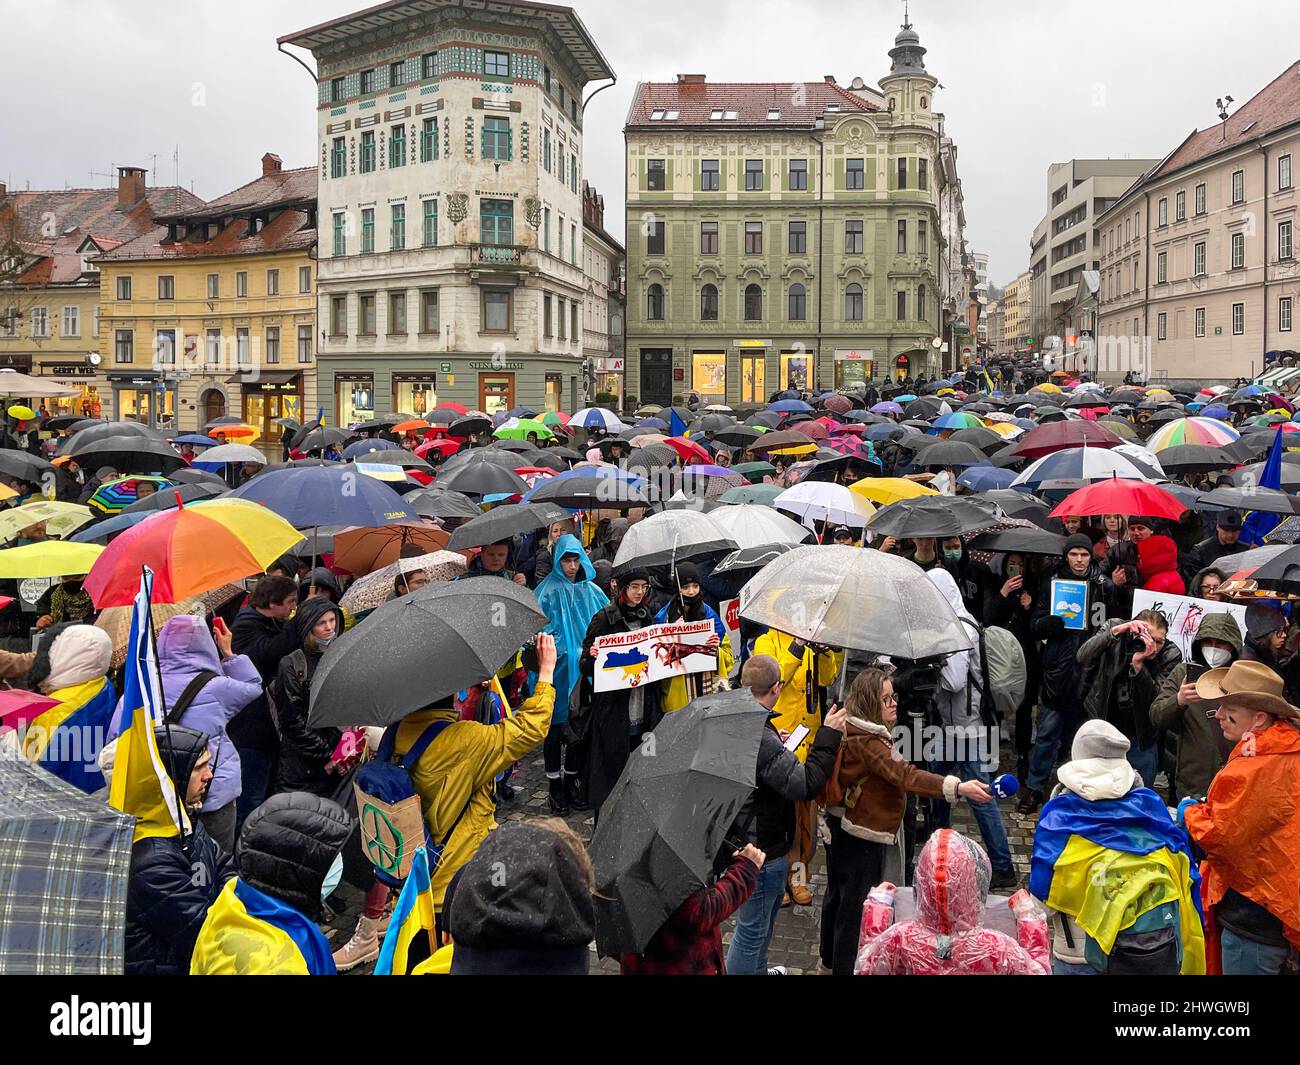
(141,785)
(1106,863)
(412,926)
(248,933)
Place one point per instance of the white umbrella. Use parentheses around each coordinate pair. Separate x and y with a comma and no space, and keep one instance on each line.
(751,525)
(13,383)
(230,453)
(825,501)
(1075,467)
(671,536)
(596,418)
(1143,455)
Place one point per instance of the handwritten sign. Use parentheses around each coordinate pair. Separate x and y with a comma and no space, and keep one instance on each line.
(1070,604)
(1185,615)
(627,660)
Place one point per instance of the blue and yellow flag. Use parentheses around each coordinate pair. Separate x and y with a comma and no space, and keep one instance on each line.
(413,917)
(141,785)
(248,933)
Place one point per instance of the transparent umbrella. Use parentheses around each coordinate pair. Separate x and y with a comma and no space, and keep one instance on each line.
(752,525)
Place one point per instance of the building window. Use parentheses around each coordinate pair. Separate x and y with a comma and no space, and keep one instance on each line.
(396,74)
(339,158)
(547,329)
(1198,259)
(902,236)
(430,225)
(1239,186)
(901,306)
(1162,263)
(709,374)
(753,238)
(1180,206)
(124,288)
(1238,251)
(272,343)
(340,233)
(854,174)
(496,64)
(559,230)
(1200,321)
(428,66)
(273,282)
(853,303)
(497,310)
(397,314)
(797,303)
(71,322)
(1238,319)
(922,239)
(166,287)
(213,348)
(708,238)
(368,152)
(853,236)
(429,311)
(920,303)
(559,314)
(241,285)
(1283,172)
(496,222)
(709,303)
(367,82)
(496,139)
(654,238)
(1285,250)
(214,286)
(1284,314)
(798,180)
(338,316)
(546,230)
(654,175)
(164,347)
(429,140)
(923,172)
(367,315)
(123,346)
(654,303)
(396,147)
(304,344)
(709,175)
(1162,212)
(336,90)
(573,321)
(753,303)
(753,175)
(243,353)
(902,173)
(546,150)
(397,227)
(1161,320)
(1198,199)
(367,230)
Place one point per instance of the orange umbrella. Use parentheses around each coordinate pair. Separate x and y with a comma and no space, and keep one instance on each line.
(415,425)
(362,550)
(235,431)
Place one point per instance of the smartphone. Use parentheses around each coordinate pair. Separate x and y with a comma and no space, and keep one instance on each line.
(796,738)
(1194,672)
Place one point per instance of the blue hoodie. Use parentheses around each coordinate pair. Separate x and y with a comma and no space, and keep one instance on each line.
(570,606)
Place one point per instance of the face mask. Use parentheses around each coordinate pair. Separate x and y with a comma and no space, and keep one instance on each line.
(332,877)
(1216,656)
(953,556)
(324,643)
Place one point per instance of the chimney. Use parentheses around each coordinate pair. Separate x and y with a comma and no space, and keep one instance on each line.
(130,186)
(4,190)
(690,79)
(271,164)
(830,79)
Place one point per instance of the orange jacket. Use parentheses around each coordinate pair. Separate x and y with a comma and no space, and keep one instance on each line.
(1249,825)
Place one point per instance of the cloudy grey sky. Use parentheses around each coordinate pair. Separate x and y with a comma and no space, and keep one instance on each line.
(89,84)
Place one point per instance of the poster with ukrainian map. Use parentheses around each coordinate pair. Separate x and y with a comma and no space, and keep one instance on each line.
(627,660)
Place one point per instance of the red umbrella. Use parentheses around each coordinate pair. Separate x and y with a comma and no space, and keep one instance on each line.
(848,429)
(445,405)
(688,449)
(1120,495)
(443,447)
(1057,436)
(812,430)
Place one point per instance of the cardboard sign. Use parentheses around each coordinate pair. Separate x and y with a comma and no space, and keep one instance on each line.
(1185,615)
(627,660)
(730,609)
(1070,603)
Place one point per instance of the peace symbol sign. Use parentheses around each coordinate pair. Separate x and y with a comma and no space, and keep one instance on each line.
(384,843)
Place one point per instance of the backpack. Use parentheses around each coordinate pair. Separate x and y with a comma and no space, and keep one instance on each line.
(389,812)
(1003,671)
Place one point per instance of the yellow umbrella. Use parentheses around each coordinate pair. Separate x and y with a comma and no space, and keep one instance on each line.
(886,490)
(7,493)
(1046,388)
(50,558)
(60,518)
(23,414)
(1004,428)
(1159,393)
(794,449)
(945,392)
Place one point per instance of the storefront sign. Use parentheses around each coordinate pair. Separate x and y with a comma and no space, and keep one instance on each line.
(445,368)
(610,365)
(496,366)
(679,373)
(266,386)
(751,343)
(354,377)
(854,355)
(67,369)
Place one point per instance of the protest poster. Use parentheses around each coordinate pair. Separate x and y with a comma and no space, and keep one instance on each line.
(1070,604)
(1185,615)
(627,660)
(730,609)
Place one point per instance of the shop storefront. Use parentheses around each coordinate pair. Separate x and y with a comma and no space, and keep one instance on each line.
(496,392)
(709,376)
(269,397)
(415,393)
(797,370)
(354,397)
(86,402)
(902,367)
(609,378)
(144,397)
(853,366)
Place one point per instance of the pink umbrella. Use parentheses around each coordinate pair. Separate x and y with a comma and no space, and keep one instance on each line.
(18,707)
(812,430)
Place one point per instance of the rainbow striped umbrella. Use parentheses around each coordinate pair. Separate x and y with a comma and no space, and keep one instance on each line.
(111,496)
(958,420)
(1208,431)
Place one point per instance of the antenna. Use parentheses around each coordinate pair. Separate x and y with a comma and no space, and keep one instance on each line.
(1223,103)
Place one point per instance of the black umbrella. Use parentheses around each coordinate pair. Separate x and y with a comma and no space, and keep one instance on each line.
(469,425)
(1188,497)
(567,453)
(595,491)
(502,523)
(320,438)
(926,407)
(165,498)
(1087,399)
(747,560)
(443,504)
(932,516)
(418,649)
(105,430)
(301,432)
(1027,541)
(392,457)
(128,454)
(769,419)
(1195,458)
(1249,447)
(711,423)
(666,822)
(482,477)
(950,453)
(26,466)
(193,476)
(1248,475)
(1125,395)
(984,439)
(518,447)
(64,421)
(737,435)
(1268,500)
(1166,415)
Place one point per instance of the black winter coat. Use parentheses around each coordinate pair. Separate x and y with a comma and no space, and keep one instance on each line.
(265,641)
(768,816)
(304,751)
(1064,685)
(167,900)
(1112,656)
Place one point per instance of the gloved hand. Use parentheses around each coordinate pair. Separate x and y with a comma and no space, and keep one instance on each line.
(1024,905)
(1191,800)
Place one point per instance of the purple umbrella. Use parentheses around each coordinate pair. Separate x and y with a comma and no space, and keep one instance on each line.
(888,407)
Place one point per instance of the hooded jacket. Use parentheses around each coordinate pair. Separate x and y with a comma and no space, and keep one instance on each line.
(569,606)
(1158,565)
(172,882)
(304,751)
(1107,660)
(1063,687)
(1202,750)
(185,649)
(792,709)
(320,577)
(946,938)
(958,697)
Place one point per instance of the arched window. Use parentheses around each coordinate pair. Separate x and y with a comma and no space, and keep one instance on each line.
(853,303)
(924,101)
(709,303)
(753,303)
(798,303)
(654,303)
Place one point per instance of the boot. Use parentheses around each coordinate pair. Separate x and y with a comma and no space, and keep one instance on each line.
(575,792)
(559,803)
(1022,769)
(363,946)
(1003,880)
(1030,800)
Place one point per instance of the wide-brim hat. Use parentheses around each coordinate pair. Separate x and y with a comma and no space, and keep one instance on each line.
(1249,685)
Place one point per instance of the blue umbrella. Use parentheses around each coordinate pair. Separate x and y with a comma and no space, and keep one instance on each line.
(307,496)
(614,475)
(1025,423)
(360,447)
(652,423)
(905,398)
(986,478)
(102,530)
(195,440)
(596,418)
(886,431)
(1216,410)
(791,406)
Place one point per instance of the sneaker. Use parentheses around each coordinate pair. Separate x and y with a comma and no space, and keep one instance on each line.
(1006,878)
(1030,800)
(776,970)
(363,946)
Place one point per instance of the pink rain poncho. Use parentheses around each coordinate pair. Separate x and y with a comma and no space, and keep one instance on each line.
(946,938)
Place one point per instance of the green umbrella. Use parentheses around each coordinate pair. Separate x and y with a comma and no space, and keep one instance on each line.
(762,494)
(754,472)
(519,428)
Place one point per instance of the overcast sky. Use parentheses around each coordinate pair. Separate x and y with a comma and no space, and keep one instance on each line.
(90,84)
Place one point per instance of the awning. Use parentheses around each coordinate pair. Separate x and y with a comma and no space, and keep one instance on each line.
(13,383)
(263,377)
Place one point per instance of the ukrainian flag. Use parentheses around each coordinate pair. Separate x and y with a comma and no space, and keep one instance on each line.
(141,785)
(1106,863)
(413,917)
(248,933)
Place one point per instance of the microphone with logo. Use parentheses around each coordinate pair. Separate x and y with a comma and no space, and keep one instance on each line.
(1004,786)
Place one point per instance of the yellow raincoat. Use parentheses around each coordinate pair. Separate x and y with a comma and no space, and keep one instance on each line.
(459,766)
(792,704)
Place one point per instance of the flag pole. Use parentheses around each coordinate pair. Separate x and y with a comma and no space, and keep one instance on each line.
(177,787)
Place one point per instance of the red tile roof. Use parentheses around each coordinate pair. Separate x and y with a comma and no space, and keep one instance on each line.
(1273,107)
(800,103)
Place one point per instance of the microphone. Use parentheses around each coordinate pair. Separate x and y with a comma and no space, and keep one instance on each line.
(1005,786)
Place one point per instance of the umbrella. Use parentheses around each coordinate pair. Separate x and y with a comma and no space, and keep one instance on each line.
(781,440)
(600,418)
(111,497)
(737,435)
(502,523)
(325,495)
(755,471)
(958,420)
(1195,458)
(418,649)
(1033,541)
(1120,495)
(51,558)
(236,431)
(932,516)
(60,519)
(823,501)
(669,537)
(230,453)
(443,504)
(194,440)
(1018,504)
(754,525)
(369,446)
(104,430)
(199,476)
(983,437)
(950,453)
(60,422)
(886,490)
(128,453)
(791,406)
(1056,436)
(592,488)
(751,559)
(191,551)
(174,496)
(373,589)
(1121,428)
(521,428)
(688,449)
(116,620)
(1288,475)
(984,478)
(844,596)
(709,482)
(887,407)
(667,817)
(24,466)
(926,407)
(106,527)
(1287,531)
(319,438)
(763,494)
(1209,431)
(481,477)
(713,423)
(1074,467)
(63,881)
(1266,500)
(363,549)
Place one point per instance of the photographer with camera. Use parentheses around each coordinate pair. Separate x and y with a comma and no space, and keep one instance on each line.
(1128,661)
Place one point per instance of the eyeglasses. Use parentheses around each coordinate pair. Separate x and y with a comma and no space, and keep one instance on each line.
(889,700)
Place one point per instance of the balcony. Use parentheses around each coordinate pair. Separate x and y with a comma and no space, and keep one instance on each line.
(498,254)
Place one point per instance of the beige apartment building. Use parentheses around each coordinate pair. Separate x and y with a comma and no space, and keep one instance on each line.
(1198,259)
(1015,312)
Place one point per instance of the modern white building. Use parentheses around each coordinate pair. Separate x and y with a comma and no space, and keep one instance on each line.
(451,213)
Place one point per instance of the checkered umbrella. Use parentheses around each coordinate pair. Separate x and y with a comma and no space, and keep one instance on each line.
(64,863)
